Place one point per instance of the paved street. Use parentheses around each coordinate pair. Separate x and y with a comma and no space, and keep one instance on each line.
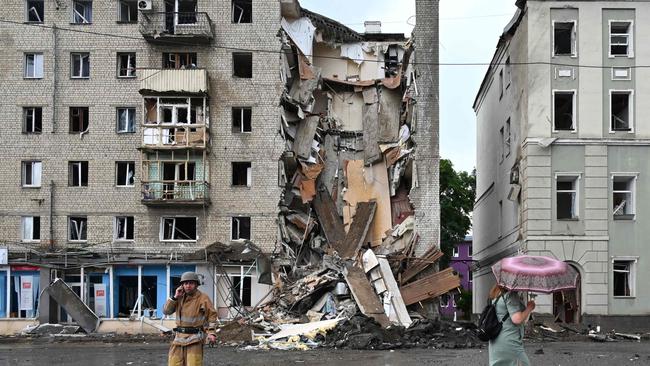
(570,354)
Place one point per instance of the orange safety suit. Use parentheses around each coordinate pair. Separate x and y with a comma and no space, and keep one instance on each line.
(193,310)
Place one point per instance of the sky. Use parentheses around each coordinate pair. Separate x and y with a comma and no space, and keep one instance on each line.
(469,31)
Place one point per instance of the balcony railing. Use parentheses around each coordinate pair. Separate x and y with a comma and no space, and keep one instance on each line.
(174,192)
(164,26)
(170,136)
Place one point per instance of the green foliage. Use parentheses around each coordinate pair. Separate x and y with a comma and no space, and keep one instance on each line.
(464,303)
(457,194)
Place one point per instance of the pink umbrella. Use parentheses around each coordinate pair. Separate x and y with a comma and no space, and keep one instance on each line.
(535,273)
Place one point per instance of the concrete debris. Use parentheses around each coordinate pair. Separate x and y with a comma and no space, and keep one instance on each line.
(73,305)
(51,329)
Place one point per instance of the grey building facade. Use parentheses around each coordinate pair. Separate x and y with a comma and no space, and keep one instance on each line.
(562,140)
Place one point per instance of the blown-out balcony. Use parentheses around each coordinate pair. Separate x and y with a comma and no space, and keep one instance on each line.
(175,193)
(173,28)
(170,136)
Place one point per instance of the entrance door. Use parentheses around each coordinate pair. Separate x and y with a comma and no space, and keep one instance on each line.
(566,304)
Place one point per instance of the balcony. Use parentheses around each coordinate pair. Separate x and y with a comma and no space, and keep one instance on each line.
(175,193)
(172,28)
(173,81)
(169,136)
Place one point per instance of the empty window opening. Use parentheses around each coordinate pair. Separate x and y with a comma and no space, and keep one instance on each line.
(444,301)
(241,228)
(78,174)
(241,119)
(508,137)
(501,85)
(123,228)
(620,39)
(126,65)
(31,173)
(502,140)
(567,197)
(128,293)
(455,252)
(620,109)
(623,278)
(32,119)
(33,65)
(125,120)
(128,11)
(623,197)
(242,11)
(82,12)
(563,109)
(179,228)
(125,170)
(508,69)
(241,292)
(392,61)
(77,228)
(80,65)
(564,38)
(179,60)
(242,65)
(36,11)
(241,173)
(78,119)
(30,228)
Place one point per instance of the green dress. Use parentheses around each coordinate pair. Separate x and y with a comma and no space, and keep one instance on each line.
(508,348)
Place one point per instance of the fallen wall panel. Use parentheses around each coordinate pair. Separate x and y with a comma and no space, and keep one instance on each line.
(430,287)
(73,305)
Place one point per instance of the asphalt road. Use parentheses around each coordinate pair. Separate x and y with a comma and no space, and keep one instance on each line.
(94,354)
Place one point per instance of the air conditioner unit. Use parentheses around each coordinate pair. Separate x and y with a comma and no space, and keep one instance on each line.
(144,5)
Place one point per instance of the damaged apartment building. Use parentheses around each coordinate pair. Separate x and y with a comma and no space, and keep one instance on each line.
(242,139)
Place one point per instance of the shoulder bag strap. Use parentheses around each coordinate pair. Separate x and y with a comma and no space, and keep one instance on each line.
(505,317)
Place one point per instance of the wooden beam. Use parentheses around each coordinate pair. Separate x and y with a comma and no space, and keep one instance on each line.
(328,217)
(430,256)
(364,295)
(356,235)
(430,286)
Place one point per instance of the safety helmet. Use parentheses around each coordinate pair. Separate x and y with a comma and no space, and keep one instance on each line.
(190,276)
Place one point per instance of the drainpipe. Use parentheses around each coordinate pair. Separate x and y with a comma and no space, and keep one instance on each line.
(51,243)
(55,80)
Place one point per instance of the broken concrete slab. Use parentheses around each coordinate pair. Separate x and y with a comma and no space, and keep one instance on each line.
(389,108)
(364,295)
(305,136)
(73,305)
(327,216)
(430,286)
(372,153)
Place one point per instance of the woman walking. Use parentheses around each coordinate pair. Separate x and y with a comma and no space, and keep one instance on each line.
(508,348)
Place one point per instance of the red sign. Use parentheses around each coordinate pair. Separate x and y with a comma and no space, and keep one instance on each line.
(99,293)
(27,285)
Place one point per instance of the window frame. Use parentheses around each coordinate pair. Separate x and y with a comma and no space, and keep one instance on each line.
(73,18)
(38,65)
(629,35)
(162,229)
(574,39)
(241,123)
(232,224)
(249,174)
(119,12)
(232,13)
(27,8)
(131,113)
(560,177)
(81,56)
(31,239)
(131,72)
(79,170)
(630,107)
(455,251)
(117,168)
(126,231)
(33,121)
(629,73)
(23,173)
(632,261)
(630,178)
(234,74)
(70,219)
(85,114)
(574,119)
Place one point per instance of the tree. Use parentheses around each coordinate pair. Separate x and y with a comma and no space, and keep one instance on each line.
(457,194)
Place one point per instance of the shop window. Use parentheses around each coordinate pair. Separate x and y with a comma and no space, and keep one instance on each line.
(242,291)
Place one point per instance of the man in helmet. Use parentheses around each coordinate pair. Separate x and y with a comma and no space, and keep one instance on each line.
(194,315)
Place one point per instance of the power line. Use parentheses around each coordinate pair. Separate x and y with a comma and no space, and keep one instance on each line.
(279,52)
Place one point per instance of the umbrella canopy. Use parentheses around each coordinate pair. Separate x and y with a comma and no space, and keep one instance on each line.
(534,273)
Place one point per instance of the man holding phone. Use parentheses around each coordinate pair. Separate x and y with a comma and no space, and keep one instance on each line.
(194,316)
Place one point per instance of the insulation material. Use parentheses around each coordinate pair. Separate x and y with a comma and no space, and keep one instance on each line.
(365,184)
(301,32)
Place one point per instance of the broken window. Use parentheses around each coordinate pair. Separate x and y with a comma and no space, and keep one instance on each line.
(620,109)
(501,85)
(444,300)
(241,173)
(240,228)
(80,64)
(78,119)
(77,228)
(32,119)
(241,119)
(508,69)
(31,173)
(455,252)
(124,172)
(507,137)
(241,291)
(567,197)
(33,66)
(392,61)
(127,11)
(563,110)
(178,228)
(126,65)
(125,120)
(502,140)
(179,60)
(78,173)
(30,228)
(242,64)
(564,39)
(624,277)
(186,11)
(623,196)
(620,39)
(242,11)
(123,229)
(82,11)
(35,11)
